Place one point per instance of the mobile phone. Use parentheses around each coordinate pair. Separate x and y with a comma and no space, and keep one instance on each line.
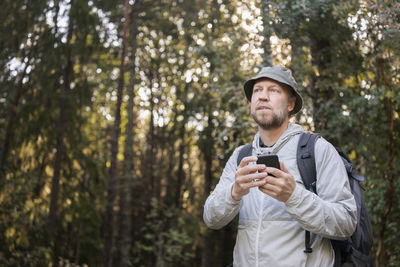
(270,160)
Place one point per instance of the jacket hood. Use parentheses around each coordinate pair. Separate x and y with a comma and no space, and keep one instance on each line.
(292,130)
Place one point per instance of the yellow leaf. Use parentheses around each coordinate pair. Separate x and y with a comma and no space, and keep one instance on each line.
(352,155)
(10,232)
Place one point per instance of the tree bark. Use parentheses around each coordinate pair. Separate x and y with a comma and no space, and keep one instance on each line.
(180,172)
(40,183)
(207,154)
(128,175)
(109,215)
(150,151)
(208,151)
(11,119)
(267,57)
(60,147)
(182,131)
(390,190)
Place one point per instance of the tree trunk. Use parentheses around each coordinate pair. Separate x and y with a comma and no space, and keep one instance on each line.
(11,119)
(320,94)
(175,182)
(61,127)
(40,183)
(150,151)
(267,57)
(128,175)
(181,136)
(390,190)
(170,197)
(208,151)
(109,215)
(171,183)
(158,140)
(180,172)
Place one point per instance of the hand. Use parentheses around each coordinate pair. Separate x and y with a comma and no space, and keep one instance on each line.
(281,186)
(248,176)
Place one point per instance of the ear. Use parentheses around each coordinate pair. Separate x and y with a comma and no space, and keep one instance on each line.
(291,104)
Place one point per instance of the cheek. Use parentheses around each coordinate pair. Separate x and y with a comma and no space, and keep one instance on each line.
(253,98)
(253,104)
(252,108)
(289,104)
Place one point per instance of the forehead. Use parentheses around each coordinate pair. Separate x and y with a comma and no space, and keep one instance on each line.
(267,81)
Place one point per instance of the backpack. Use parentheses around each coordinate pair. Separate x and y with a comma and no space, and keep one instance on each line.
(355,249)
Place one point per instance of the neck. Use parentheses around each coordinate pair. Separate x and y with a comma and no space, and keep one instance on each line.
(270,136)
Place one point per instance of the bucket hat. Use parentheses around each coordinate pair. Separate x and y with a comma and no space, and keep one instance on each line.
(279,74)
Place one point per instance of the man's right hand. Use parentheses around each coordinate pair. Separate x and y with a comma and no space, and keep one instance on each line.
(248,176)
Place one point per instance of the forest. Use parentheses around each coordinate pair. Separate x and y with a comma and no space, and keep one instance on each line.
(117,119)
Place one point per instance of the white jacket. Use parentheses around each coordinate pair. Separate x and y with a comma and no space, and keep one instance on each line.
(270,232)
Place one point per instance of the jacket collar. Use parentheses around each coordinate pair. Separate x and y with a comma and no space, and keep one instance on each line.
(292,130)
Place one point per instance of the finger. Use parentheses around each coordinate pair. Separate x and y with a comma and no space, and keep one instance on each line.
(269,189)
(274,171)
(271,180)
(253,168)
(249,178)
(246,161)
(272,188)
(257,183)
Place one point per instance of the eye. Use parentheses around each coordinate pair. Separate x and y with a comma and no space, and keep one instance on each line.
(257,89)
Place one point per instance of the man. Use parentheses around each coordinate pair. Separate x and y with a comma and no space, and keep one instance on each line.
(274,207)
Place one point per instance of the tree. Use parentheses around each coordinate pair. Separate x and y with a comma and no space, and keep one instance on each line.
(128,171)
(109,215)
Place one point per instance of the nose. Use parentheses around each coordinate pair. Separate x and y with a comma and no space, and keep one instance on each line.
(264,94)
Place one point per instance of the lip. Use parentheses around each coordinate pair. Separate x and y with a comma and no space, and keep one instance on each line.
(263,108)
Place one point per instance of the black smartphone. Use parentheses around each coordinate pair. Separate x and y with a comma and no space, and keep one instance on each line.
(270,160)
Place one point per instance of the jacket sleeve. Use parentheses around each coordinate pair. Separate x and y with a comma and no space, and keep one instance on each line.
(333,212)
(220,208)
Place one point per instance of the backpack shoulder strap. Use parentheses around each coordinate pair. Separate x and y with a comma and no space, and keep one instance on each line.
(306,163)
(245,151)
(306,160)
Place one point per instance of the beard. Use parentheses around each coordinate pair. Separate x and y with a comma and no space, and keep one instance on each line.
(268,121)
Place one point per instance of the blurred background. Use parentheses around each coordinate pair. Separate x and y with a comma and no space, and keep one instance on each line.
(117,118)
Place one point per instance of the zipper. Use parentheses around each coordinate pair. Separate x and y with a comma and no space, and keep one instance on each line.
(259,227)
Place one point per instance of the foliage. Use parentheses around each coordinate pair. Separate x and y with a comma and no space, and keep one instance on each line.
(166,238)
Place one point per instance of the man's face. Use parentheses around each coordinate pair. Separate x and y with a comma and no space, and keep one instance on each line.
(270,104)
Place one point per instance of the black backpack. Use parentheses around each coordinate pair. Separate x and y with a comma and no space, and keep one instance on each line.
(356,249)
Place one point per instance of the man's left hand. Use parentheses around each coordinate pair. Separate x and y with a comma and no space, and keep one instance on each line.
(281,186)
